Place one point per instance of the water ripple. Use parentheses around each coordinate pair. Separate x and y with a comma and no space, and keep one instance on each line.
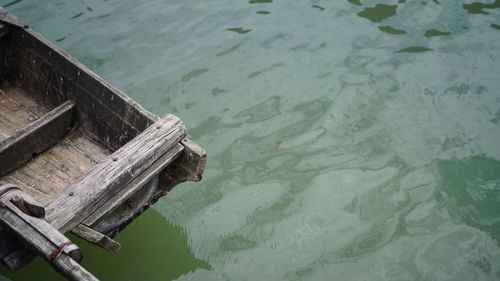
(347,140)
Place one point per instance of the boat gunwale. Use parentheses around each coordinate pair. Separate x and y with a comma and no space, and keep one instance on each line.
(62,67)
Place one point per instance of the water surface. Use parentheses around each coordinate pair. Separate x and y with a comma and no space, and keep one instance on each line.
(347,140)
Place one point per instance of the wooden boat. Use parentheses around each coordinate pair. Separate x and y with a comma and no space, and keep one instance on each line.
(76,154)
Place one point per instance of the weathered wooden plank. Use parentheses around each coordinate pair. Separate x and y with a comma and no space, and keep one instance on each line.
(78,201)
(15,116)
(24,101)
(72,270)
(113,120)
(113,222)
(34,210)
(37,137)
(7,18)
(64,264)
(42,182)
(65,161)
(38,48)
(39,235)
(57,167)
(35,179)
(44,175)
(121,215)
(94,117)
(7,127)
(34,74)
(88,85)
(39,196)
(84,196)
(17,111)
(88,148)
(192,162)
(97,238)
(188,167)
(117,218)
(125,193)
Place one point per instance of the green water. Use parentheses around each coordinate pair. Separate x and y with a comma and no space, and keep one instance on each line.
(347,140)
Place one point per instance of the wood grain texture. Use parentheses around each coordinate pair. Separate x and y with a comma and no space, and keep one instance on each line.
(188,167)
(126,192)
(107,120)
(42,65)
(41,134)
(36,233)
(57,167)
(72,270)
(71,206)
(41,237)
(96,238)
(17,111)
(191,163)
(29,208)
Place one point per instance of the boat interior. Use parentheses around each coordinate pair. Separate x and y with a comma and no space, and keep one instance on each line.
(89,156)
(56,121)
(54,168)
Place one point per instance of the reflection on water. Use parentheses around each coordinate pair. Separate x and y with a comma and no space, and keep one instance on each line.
(259,1)
(347,140)
(152,249)
(414,50)
(473,185)
(479,8)
(239,30)
(318,7)
(435,32)
(378,13)
(391,30)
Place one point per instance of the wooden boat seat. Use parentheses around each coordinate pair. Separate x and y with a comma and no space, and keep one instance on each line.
(89,155)
(54,151)
(110,183)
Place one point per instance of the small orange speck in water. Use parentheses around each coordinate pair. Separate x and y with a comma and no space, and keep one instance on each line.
(278,144)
